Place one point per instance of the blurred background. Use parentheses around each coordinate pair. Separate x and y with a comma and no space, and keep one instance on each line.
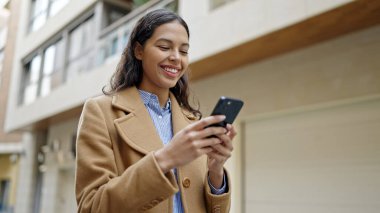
(308,71)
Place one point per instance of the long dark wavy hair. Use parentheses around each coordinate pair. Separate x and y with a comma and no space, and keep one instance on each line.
(129,71)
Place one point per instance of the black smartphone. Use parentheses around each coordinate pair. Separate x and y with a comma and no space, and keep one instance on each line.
(229,107)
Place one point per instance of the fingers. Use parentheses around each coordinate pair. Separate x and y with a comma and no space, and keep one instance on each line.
(231,131)
(201,124)
(216,156)
(227,141)
(222,150)
(207,132)
(208,142)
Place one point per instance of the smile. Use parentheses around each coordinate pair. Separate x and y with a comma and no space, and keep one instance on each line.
(171,70)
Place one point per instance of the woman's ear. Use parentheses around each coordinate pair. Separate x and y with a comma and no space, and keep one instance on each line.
(138,51)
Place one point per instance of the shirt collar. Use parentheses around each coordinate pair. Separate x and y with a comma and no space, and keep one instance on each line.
(152,99)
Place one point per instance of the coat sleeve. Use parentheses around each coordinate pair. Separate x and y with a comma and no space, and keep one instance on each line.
(99,188)
(218,203)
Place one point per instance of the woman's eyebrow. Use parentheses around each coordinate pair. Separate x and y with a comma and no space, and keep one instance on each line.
(171,42)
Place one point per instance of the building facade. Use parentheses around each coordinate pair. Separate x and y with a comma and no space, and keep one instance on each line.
(308,72)
(10,144)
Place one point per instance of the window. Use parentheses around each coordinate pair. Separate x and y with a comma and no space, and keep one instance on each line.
(81,41)
(217,3)
(114,11)
(114,46)
(32,75)
(43,73)
(125,39)
(42,10)
(52,75)
(4,195)
(56,6)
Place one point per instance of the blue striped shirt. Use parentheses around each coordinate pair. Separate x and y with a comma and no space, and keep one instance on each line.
(163,122)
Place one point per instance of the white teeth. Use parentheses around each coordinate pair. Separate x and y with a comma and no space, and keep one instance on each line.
(172,70)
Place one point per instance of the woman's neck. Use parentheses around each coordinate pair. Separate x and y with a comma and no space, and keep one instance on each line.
(162,94)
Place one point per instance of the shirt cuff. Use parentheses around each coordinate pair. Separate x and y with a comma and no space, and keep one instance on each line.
(216,191)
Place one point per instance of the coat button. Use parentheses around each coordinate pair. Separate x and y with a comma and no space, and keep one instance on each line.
(154,202)
(186,182)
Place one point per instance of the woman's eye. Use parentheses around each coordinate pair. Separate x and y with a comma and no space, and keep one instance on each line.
(184,52)
(164,47)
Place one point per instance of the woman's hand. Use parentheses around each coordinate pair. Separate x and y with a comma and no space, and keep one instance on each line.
(218,157)
(190,143)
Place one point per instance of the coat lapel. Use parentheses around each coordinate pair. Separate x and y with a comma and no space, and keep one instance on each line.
(136,127)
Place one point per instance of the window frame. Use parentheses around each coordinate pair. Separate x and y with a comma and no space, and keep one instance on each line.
(47,12)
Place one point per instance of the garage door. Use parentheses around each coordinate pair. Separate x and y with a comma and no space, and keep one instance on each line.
(322,160)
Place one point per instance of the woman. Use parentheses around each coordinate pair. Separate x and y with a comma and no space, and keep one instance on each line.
(141,146)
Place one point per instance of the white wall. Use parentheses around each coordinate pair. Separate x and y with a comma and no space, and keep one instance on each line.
(321,160)
(59,180)
(340,69)
(241,20)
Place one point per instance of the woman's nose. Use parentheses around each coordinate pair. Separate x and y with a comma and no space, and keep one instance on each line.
(174,56)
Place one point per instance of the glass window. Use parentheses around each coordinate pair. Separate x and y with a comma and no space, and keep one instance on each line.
(35,69)
(39,6)
(56,6)
(32,73)
(48,70)
(125,39)
(5,186)
(39,14)
(81,55)
(75,43)
(113,12)
(42,10)
(53,67)
(114,46)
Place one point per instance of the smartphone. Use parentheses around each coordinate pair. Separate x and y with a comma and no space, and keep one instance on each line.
(229,107)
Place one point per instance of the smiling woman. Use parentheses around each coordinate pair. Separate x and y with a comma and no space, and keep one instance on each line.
(164,58)
(141,146)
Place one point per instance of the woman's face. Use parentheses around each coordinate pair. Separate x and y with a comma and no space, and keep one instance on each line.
(164,57)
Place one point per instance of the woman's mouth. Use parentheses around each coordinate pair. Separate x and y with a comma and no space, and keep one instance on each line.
(171,71)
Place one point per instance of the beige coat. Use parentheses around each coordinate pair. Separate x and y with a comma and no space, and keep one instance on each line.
(116,169)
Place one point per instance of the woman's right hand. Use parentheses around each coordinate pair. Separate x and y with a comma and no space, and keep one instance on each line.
(190,143)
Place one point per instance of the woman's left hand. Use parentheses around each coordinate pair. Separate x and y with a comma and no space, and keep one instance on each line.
(218,157)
